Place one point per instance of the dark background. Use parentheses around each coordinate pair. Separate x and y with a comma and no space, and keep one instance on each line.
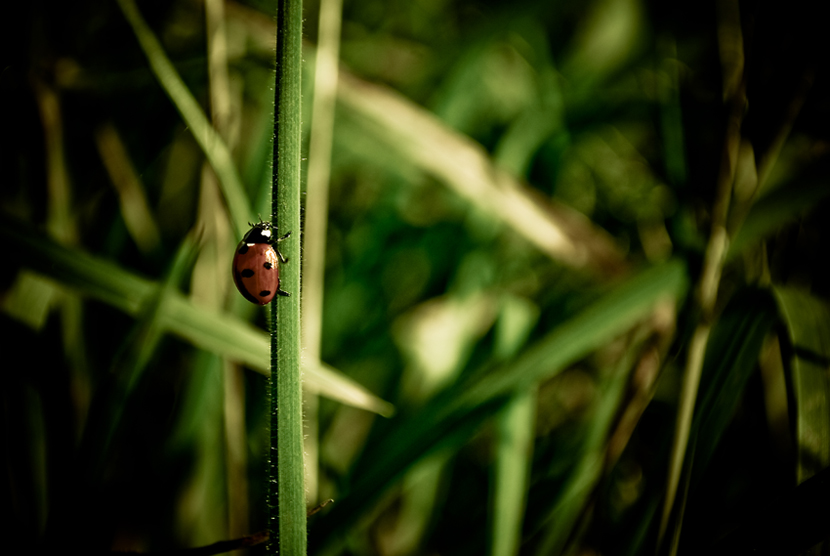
(116,433)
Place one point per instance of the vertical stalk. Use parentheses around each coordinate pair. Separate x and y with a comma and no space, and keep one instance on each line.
(287,512)
(514,450)
(316,214)
(224,113)
(730,41)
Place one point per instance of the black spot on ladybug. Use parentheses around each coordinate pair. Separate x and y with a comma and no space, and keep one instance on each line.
(267,265)
(243,249)
(247,273)
(265,293)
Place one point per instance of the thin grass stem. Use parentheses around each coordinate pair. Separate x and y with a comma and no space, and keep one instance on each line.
(287,508)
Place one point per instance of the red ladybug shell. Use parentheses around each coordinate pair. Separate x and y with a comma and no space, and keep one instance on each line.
(256,272)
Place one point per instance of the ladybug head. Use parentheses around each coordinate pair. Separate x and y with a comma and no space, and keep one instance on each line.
(259,233)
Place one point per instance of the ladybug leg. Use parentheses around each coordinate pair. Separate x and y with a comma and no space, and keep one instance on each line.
(283,260)
(283,293)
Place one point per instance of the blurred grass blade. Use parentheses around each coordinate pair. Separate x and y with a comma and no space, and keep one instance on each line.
(808,324)
(772,211)
(421,499)
(730,43)
(219,333)
(514,450)
(215,149)
(135,209)
(422,139)
(731,357)
(316,218)
(150,325)
(28,300)
(565,509)
(202,497)
(732,352)
(323,378)
(319,173)
(515,429)
(604,41)
(455,414)
(129,364)
(612,314)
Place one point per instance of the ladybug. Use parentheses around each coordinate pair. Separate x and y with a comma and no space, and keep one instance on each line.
(256,271)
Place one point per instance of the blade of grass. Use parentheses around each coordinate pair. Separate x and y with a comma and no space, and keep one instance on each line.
(319,169)
(420,138)
(135,210)
(566,508)
(730,41)
(28,299)
(215,149)
(220,333)
(731,358)
(286,498)
(129,365)
(738,188)
(512,470)
(201,501)
(772,211)
(454,415)
(59,215)
(515,432)
(61,224)
(316,215)
(212,289)
(808,324)
(767,160)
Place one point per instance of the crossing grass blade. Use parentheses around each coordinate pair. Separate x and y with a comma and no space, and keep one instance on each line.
(219,333)
(453,416)
(562,515)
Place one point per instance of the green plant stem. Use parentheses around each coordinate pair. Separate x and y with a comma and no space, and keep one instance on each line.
(287,517)
(732,60)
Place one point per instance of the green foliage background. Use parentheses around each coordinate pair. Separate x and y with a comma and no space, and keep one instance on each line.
(521,203)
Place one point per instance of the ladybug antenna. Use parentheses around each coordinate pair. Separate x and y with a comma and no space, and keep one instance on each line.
(260,223)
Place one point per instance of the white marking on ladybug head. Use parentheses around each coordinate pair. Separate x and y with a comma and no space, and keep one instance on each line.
(266,232)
